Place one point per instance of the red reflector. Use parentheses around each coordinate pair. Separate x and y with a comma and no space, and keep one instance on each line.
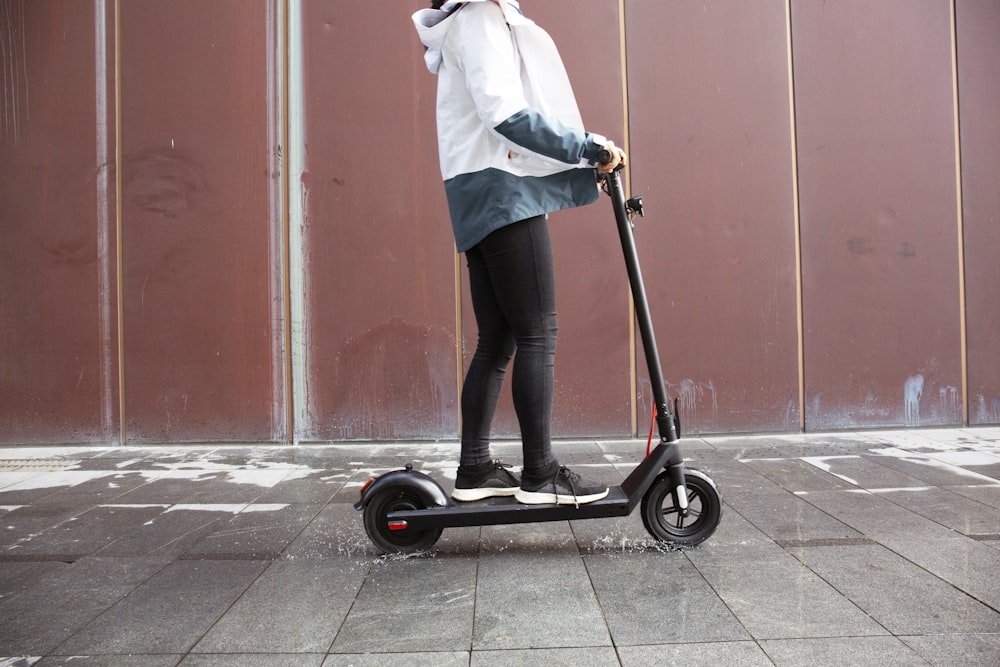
(397,525)
(367,484)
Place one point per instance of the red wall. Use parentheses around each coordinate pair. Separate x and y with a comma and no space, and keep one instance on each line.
(59,356)
(224,221)
(978,25)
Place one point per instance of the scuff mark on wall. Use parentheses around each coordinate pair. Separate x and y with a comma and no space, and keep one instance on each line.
(913,388)
(385,392)
(950,405)
(14,106)
(690,396)
(987,414)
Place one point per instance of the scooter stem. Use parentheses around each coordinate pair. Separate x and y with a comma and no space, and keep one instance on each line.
(664,417)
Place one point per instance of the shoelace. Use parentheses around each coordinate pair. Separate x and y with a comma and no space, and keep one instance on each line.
(505,467)
(571,477)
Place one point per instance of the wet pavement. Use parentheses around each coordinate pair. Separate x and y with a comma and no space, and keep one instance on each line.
(875,548)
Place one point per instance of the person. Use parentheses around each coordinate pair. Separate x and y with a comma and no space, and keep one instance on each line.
(512,149)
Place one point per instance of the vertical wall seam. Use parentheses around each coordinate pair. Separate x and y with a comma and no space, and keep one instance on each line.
(298,285)
(962,316)
(105,295)
(627,145)
(796,219)
(281,417)
(286,227)
(119,226)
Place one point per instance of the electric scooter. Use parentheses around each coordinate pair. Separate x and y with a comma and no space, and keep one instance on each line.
(405,511)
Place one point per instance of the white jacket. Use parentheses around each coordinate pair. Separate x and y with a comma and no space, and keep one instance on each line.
(510,138)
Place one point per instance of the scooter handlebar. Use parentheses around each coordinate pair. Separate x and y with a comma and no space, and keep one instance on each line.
(604,156)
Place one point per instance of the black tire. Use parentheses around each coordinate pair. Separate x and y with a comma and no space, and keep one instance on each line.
(406,541)
(662,516)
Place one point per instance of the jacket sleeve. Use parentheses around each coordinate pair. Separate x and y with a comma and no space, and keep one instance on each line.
(485,51)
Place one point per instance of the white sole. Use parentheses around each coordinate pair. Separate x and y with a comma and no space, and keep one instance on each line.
(470,495)
(540,498)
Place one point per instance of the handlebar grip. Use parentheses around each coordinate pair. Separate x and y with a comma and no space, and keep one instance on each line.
(604,156)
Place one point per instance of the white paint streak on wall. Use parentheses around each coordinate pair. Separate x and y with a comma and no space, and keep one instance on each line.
(913,388)
(949,402)
(987,414)
(690,395)
(298,207)
(104,290)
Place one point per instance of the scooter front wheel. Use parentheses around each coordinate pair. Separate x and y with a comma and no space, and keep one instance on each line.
(665,520)
(396,538)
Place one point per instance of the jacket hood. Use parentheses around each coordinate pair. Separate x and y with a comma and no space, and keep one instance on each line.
(432,27)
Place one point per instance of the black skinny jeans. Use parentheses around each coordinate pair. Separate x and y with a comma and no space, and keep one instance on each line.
(512,281)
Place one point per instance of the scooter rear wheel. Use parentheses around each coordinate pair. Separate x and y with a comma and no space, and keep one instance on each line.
(663,517)
(396,539)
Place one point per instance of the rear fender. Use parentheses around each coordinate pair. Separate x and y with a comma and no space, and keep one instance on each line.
(429,490)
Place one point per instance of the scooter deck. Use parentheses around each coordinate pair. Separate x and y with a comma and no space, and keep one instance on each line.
(620,501)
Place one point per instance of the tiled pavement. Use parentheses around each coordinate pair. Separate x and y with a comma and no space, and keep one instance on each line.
(878,548)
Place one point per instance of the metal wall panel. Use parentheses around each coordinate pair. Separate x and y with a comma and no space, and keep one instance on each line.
(378,261)
(873,93)
(711,153)
(978,31)
(200,333)
(58,358)
(592,360)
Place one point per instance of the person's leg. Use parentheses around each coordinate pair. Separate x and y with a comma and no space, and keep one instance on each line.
(518,258)
(478,476)
(484,379)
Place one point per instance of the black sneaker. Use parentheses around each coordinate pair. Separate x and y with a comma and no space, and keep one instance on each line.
(564,488)
(497,481)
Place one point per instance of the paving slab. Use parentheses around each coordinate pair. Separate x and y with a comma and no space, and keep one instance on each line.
(929,471)
(957,649)
(864,472)
(546,657)
(257,530)
(85,533)
(295,606)
(425,659)
(23,523)
(63,600)
(254,660)
(796,475)
(659,598)
(37,486)
(205,485)
(410,605)
(944,506)
(774,595)
(109,661)
(836,652)
(170,533)
(986,494)
(169,612)
(525,572)
(336,530)
(897,593)
(744,654)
